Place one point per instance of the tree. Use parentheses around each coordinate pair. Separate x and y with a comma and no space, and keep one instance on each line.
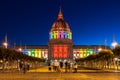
(116,52)
(106,56)
(11,56)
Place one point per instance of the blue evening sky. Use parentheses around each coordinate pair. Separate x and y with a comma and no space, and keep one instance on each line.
(29,21)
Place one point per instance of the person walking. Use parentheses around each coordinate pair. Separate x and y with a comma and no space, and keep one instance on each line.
(61,64)
(20,66)
(27,67)
(24,67)
(70,66)
(49,66)
(55,65)
(75,67)
(66,66)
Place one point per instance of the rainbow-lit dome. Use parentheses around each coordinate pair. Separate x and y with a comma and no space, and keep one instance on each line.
(60,28)
(60,25)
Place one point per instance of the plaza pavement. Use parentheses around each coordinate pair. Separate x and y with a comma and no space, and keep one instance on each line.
(43,73)
(80,70)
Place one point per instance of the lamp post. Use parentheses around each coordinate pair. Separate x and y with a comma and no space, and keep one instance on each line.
(114,43)
(5,44)
(105,43)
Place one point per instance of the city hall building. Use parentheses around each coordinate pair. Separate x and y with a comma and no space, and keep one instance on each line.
(60,45)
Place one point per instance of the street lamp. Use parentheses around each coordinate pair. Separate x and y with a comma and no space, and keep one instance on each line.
(5,44)
(20,49)
(99,49)
(114,44)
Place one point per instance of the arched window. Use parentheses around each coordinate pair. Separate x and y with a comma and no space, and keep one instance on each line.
(62,34)
(52,35)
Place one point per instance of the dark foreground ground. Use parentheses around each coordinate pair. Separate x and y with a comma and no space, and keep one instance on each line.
(60,76)
(44,74)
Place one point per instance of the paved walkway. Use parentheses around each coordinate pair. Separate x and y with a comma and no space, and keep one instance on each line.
(45,69)
(44,74)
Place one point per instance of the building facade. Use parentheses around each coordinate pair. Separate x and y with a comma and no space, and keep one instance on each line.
(60,45)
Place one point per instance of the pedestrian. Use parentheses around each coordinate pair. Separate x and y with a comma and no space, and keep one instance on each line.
(58,67)
(75,67)
(20,66)
(49,66)
(27,66)
(55,65)
(70,66)
(61,64)
(24,67)
(66,66)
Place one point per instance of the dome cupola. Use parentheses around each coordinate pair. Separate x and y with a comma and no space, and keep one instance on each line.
(60,24)
(60,28)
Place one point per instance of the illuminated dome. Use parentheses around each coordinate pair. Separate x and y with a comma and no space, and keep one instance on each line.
(60,29)
(60,24)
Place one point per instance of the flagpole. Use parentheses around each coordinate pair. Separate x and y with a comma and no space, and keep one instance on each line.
(105,44)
